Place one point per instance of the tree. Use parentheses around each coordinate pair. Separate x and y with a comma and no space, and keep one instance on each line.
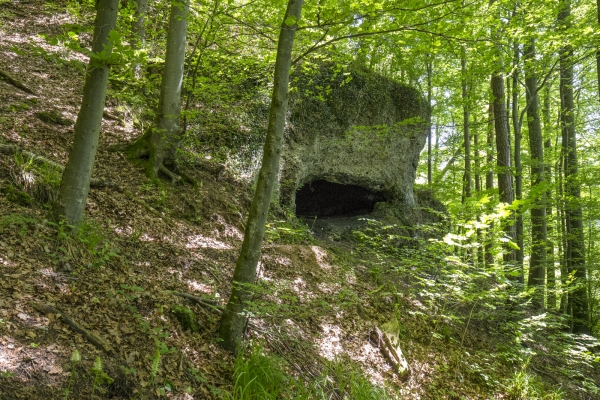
(75,183)
(575,238)
(160,143)
(138,32)
(233,321)
(539,233)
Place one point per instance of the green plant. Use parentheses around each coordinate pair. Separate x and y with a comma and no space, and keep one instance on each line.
(290,231)
(75,358)
(100,377)
(258,376)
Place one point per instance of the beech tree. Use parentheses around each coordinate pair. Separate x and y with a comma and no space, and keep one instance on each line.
(575,239)
(75,184)
(160,143)
(233,321)
(537,261)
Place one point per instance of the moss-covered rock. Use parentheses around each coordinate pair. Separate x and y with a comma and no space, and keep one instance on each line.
(353,127)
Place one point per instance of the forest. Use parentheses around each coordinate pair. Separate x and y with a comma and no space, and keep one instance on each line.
(269,199)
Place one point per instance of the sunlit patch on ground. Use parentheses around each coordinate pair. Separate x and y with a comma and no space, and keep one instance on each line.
(199,287)
(321,255)
(199,241)
(329,342)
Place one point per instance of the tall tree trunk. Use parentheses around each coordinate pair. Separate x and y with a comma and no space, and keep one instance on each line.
(466,117)
(550,269)
(75,183)
(489,177)
(233,321)
(598,51)
(160,143)
(520,253)
(561,209)
(539,233)
(138,32)
(429,95)
(505,188)
(503,159)
(575,239)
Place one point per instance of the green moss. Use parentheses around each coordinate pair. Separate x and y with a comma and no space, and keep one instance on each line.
(186,318)
(17,196)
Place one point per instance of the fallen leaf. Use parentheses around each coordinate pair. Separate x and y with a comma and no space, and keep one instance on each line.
(22,316)
(55,369)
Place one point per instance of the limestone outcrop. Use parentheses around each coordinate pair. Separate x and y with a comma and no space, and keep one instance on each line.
(356,129)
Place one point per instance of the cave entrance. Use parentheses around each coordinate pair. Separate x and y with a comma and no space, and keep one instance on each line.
(326,199)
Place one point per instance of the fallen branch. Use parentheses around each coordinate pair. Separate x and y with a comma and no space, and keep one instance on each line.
(391,352)
(91,337)
(5,76)
(212,304)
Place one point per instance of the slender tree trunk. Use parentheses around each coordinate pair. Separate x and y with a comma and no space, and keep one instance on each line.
(539,232)
(161,142)
(563,243)
(520,253)
(75,183)
(477,161)
(466,117)
(429,95)
(505,188)
(575,238)
(550,269)
(489,178)
(138,30)
(598,51)
(233,321)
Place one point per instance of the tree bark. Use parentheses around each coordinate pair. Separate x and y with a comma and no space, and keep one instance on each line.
(75,183)
(161,142)
(489,177)
(575,238)
(466,117)
(505,189)
(429,95)
(550,269)
(520,253)
(539,232)
(234,321)
(138,32)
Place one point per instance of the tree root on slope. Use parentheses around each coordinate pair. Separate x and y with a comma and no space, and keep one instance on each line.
(5,76)
(91,337)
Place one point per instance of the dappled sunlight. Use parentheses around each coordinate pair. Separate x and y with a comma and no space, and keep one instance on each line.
(200,287)
(329,341)
(200,241)
(321,255)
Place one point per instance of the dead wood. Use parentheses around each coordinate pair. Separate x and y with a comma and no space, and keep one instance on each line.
(382,341)
(5,76)
(91,337)
(212,304)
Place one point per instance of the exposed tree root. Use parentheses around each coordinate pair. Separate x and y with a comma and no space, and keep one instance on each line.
(91,337)
(5,76)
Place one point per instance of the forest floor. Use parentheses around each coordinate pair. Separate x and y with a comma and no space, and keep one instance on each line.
(140,246)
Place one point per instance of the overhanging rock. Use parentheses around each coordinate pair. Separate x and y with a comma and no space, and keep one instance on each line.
(356,129)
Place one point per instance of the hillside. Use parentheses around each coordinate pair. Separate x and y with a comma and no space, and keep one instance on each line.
(146,243)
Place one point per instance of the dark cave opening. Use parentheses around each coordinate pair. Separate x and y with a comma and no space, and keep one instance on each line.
(326,199)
